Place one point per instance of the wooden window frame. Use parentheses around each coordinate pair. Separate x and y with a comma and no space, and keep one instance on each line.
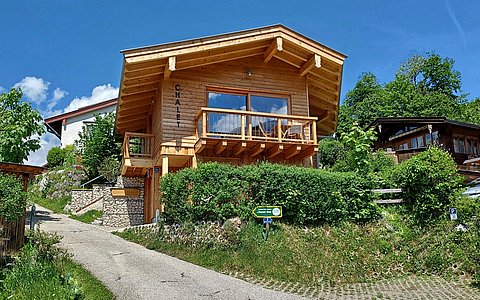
(249,93)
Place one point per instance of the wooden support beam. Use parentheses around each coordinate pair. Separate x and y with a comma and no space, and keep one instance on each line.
(239,148)
(220,147)
(170,67)
(257,150)
(292,152)
(277,45)
(314,61)
(200,145)
(274,151)
(164,165)
(307,153)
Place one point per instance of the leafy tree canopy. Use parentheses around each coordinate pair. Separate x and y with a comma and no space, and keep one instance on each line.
(423,86)
(20,127)
(98,143)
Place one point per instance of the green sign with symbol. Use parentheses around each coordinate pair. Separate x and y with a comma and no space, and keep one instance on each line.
(267,212)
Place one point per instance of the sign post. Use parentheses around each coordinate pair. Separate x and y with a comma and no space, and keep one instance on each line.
(268,213)
(453,213)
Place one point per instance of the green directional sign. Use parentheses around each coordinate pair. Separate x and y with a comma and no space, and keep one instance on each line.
(267,212)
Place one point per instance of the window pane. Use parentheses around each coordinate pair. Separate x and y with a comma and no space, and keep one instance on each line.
(221,122)
(420,141)
(269,104)
(414,143)
(428,138)
(227,101)
(455,145)
(435,136)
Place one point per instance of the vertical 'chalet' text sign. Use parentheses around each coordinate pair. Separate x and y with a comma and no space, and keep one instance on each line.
(177,103)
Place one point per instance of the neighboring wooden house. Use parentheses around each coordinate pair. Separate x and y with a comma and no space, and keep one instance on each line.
(68,125)
(408,136)
(260,94)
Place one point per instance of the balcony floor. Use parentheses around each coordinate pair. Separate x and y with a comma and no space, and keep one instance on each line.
(255,149)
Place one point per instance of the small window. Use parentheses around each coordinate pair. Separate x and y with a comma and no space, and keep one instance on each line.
(420,142)
(461,144)
(414,144)
(435,136)
(403,146)
(428,138)
(268,104)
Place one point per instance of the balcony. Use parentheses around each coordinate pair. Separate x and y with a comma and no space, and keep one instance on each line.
(235,134)
(137,152)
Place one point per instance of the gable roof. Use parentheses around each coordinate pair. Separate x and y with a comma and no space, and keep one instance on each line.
(144,68)
(54,123)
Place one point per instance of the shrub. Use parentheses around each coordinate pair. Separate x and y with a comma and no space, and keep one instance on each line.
(71,154)
(430,183)
(55,157)
(216,191)
(329,152)
(12,198)
(109,169)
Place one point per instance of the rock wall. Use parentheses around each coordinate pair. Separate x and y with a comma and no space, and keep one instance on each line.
(124,211)
(80,198)
(84,197)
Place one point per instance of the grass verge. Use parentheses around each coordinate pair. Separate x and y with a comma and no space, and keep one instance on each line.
(55,205)
(335,255)
(88,217)
(42,271)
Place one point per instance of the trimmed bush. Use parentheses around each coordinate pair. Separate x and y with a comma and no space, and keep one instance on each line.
(216,191)
(329,152)
(55,157)
(430,183)
(12,198)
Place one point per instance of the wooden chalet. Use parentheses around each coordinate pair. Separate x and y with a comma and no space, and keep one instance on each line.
(260,94)
(408,136)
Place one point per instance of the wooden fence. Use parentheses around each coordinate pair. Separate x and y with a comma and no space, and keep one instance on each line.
(12,236)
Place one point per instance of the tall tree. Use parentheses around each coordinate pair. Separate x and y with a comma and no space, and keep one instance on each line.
(98,144)
(20,127)
(423,86)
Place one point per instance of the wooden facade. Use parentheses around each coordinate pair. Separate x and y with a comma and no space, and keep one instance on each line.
(168,123)
(408,136)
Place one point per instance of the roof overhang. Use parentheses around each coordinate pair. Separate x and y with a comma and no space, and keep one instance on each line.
(54,124)
(144,68)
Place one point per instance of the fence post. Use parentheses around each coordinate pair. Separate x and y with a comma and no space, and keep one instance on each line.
(32,217)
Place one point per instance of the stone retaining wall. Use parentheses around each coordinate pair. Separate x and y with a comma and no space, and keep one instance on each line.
(80,198)
(125,210)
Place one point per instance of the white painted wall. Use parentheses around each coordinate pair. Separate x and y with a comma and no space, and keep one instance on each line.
(75,125)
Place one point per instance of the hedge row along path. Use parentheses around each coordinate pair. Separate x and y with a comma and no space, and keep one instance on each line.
(131,271)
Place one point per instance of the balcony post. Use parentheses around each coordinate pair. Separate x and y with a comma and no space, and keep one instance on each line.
(243,122)
(279,130)
(314,131)
(204,124)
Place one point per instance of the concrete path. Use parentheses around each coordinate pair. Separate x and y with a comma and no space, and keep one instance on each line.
(131,271)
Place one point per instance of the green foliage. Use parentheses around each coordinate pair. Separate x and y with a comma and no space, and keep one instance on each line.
(57,183)
(471,112)
(98,144)
(62,157)
(12,198)
(54,204)
(430,183)
(423,86)
(20,128)
(55,157)
(358,143)
(339,254)
(110,169)
(217,192)
(330,151)
(71,154)
(42,271)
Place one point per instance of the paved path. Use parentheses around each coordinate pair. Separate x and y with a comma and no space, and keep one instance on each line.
(131,271)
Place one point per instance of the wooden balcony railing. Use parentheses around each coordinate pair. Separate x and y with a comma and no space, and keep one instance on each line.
(249,125)
(137,145)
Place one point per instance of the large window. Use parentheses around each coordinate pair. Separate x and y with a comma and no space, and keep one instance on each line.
(248,101)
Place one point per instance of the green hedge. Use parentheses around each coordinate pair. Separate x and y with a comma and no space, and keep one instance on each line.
(216,191)
(12,198)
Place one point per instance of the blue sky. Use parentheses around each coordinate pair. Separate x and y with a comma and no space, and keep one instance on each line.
(67,53)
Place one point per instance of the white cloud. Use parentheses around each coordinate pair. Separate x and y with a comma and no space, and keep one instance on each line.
(99,93)
(39,157)
(59,94)
(35,89)
(2,89)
